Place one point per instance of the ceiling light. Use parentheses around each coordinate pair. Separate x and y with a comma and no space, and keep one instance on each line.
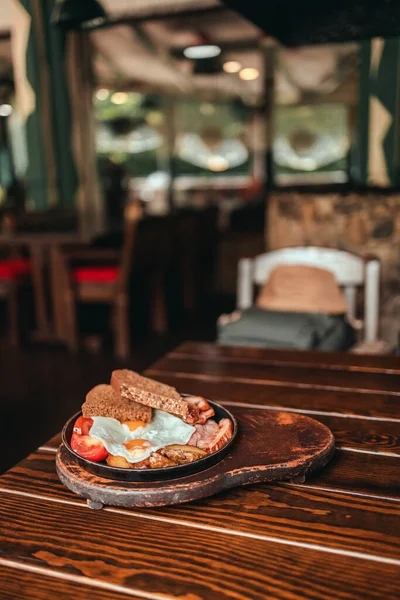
(217,163)
(102,94)
(205,51)
(78,14)
(5,110)
(119,98)
(232,66)
(249,74)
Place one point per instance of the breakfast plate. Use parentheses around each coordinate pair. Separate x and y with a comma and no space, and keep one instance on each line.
(102,469)
(267,445)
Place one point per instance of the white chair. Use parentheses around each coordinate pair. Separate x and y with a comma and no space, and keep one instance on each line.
(349,269)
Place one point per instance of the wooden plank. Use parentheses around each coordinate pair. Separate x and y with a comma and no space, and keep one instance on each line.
(364,474)
(342,361)
(53,442)
(322,518)
(364,435)
(152,557)
(308,400)
(17,583)
(382,437)
(307,377)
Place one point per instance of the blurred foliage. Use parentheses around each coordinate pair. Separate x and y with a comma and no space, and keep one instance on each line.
(107,110)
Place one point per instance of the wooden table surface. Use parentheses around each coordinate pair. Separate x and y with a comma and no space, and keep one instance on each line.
(334,536)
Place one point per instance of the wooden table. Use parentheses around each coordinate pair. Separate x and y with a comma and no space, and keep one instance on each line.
(334,536)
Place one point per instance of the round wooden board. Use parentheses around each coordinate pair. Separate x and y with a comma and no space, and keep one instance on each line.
(270,446)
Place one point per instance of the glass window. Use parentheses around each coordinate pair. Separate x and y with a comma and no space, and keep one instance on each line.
(316,95)
(209,146)
(212,139)
(13,146)
(312,139)
(131,148)
(129,131)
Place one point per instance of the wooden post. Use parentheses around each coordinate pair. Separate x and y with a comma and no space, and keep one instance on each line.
(375,158)
(170,143)
(269,98)
(60,137)
(89,201)
(269,62)
(30,57)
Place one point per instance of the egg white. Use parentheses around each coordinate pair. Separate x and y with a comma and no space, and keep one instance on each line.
(164,430)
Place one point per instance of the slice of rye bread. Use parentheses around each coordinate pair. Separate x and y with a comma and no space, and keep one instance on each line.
(153,393)
(102,401)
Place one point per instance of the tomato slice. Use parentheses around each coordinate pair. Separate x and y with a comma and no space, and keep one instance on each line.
(86,425)
(88,447)
(82,425)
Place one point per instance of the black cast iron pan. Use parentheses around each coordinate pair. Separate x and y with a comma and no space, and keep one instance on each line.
(103,470)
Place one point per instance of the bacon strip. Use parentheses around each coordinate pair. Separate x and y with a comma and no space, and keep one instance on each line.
(200,405)
(212,436)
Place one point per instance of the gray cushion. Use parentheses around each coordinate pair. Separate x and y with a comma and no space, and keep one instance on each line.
(302,331)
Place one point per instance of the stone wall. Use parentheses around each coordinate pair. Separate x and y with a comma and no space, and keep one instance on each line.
(364,224)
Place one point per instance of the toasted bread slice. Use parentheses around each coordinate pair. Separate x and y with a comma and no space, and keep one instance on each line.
(132,386)
(103,401)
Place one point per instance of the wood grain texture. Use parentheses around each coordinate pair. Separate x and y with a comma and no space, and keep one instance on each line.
(331,519)
(363,474)
(338,361)
(280,374)
(269,446)
(363,435)
(17,584)
(307,400)
(143,554)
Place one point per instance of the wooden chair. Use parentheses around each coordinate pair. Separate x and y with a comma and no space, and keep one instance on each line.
(196,246)
(14,273)
(93,283)
(350,271)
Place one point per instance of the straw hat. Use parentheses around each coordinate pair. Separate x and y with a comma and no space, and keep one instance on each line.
(302,289)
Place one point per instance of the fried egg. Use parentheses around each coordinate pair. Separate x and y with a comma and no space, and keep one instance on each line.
(119,439)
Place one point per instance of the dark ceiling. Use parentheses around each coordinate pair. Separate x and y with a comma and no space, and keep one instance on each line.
(303,22)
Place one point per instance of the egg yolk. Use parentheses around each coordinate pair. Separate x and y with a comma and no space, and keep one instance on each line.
(132,425)
(131,444)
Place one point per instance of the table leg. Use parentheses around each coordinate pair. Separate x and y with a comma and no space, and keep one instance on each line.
(94,505)
(13,315)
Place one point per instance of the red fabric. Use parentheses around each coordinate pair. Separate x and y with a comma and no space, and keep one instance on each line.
(95,274)
(13,268)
